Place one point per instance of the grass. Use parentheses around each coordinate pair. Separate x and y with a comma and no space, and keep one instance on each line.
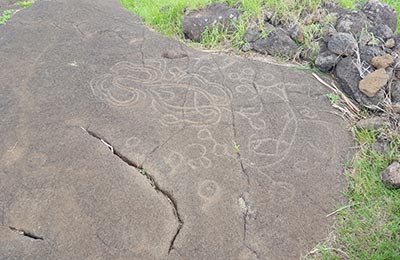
(165,16)
(236,148)
(25,4)
(369,228)
(7,14)
(333,98)
(353,4)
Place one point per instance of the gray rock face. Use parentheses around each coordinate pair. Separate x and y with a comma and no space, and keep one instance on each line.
(391,176)
(354,23)
(277,43)
(149,101)
(196,22)
(326,61)
(380,13)
(342,44)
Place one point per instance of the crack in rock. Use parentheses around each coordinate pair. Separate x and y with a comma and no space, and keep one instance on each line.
(246,215)
(242,200)
(166,194)
(26,233)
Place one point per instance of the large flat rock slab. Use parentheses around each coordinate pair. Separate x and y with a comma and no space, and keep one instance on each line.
(118,143)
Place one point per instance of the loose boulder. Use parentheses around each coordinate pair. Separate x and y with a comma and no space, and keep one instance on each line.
(372,123)
(381,146)
(382,31)
(374,82)
(195,23)
(348,76)
(395,92)
(397,43)
(296,32)
(382,62)
(391,175)
(342,44)
(253,33)
(354,22)
(390,43)
(277,43)
(380,13)
(326,61)
(367,53)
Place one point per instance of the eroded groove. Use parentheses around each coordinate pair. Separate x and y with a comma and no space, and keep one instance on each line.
(26,233)
(167,195)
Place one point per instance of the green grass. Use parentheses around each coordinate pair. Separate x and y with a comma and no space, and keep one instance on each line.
(25,3)
(7,14)
(353,4)
(166,15)
(370,228)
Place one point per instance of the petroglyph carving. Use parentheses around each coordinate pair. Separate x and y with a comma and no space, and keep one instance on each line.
(274,128)
(218,149)
(179,96)
(196,156)
(208,189)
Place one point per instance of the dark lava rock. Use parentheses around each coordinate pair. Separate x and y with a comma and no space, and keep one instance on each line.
(382,31)
(380,13)
(277,43)
(349,78)
(397,42)
(395,92)
(372,123)
(196,22)
(328,32)
(253,33)
(296,32)
(335,8)
(381,146)
(367,53)
(354,22)
(342,44)
(347,75)
(326,61)
(391,175)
